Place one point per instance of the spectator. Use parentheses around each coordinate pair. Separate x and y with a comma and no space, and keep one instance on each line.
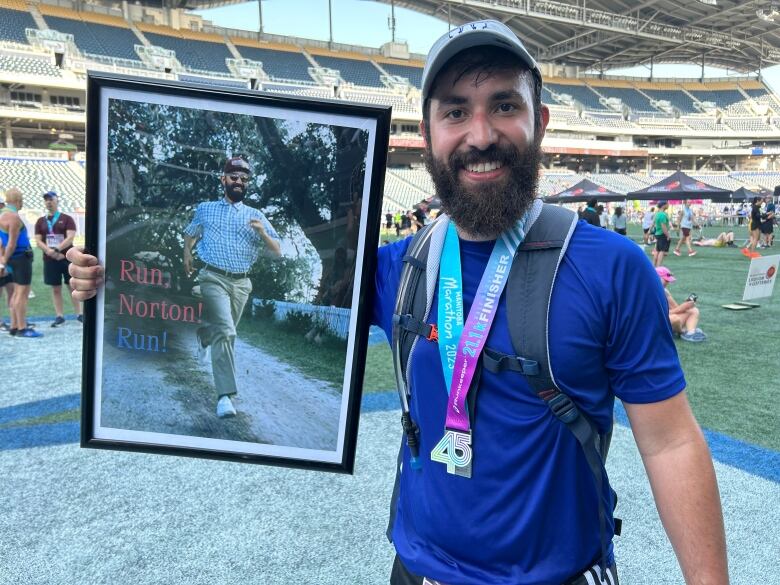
(724,239)
(754,228)
(6,283)
(54,235)
(662,235)
(768,223)
(590,215)
(684,317)
(17,260)
(686,224)
(603,216)
(619,221)
(648,219)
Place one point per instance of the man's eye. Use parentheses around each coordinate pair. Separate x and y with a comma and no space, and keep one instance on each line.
(506,108)
(455,114)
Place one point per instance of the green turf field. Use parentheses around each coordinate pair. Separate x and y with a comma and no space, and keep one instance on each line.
(732,377)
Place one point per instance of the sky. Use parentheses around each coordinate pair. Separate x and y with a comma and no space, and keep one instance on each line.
(365,23)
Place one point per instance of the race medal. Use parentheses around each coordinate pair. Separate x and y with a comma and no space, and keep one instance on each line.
(454,450)
(468,338)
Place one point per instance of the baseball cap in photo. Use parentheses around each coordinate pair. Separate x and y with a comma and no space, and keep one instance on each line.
(49,195)
(480,33)
(236,164)
(665,274)
(661,203)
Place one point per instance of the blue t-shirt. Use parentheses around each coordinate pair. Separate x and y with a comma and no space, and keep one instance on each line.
(528,514)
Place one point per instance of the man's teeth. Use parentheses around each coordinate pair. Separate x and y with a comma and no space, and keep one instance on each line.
(483,167)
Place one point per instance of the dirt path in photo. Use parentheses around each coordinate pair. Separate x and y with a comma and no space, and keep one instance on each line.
(173,393)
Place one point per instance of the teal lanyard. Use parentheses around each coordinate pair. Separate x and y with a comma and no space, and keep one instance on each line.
(52,222)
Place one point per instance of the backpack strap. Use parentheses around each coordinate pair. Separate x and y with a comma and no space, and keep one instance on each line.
(529,291)
(412,306)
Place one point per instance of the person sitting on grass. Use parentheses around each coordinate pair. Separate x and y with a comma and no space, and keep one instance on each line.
(683,317)
(724,239)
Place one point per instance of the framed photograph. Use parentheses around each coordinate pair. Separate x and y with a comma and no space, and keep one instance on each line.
(238,231)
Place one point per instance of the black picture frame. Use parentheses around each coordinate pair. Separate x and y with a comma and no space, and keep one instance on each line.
(136,186)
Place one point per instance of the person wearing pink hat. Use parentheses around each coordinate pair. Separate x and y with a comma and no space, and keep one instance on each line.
(683,317)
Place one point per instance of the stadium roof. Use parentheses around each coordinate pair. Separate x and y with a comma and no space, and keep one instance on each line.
(620,33)
(607,34)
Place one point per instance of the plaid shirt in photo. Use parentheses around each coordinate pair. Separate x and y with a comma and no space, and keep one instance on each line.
(226,240)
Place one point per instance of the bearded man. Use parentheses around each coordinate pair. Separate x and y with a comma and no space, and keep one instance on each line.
(527,512)
(230,237)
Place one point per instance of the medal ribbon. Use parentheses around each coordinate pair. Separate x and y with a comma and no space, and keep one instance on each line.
(474,333)
(52,222)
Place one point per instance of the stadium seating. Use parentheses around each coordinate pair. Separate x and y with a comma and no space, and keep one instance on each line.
(731,100)
(98,39)
(749,125)
(704,125)
(568,118)
(579,93)
(417,177)
(194,54)
(13,23)
(718,180)
(29,66)
(676,98)
(622,182)
(400,194)
(35,177)
(285,65)
(354,71)
(610,120)
(413,74)
(630,97)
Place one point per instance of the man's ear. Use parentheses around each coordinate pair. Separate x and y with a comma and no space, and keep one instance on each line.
(545,119)
(223,180)
(424,134)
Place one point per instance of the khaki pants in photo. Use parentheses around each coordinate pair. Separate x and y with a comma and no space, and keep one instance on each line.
(223,302)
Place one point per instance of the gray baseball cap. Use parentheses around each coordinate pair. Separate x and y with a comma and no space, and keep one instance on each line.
(473,34)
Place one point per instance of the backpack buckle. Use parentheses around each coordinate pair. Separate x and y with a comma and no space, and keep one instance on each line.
(563,408)
(433,334)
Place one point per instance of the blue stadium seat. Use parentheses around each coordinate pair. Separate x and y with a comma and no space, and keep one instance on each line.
(678,99)
(98,39)
(198,55)
(352,70)
(279,64)
(630,97)
(413,74)
(13,23)
(580,93)
(723,99)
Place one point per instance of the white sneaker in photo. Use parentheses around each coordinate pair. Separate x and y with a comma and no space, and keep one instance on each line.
(225,407)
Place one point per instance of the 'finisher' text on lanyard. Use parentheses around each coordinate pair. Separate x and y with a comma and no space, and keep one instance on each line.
(460,346)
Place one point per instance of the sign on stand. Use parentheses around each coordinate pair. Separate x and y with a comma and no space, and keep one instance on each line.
(761,278)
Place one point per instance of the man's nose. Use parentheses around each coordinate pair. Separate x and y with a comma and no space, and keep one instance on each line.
(481,132)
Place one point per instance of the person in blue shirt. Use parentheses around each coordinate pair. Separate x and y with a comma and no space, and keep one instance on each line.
(229,237)
(528,513)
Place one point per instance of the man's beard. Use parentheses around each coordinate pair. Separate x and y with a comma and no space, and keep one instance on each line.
(235,193)
(487,210)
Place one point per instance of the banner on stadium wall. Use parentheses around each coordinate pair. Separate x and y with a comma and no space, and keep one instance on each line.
(761,278)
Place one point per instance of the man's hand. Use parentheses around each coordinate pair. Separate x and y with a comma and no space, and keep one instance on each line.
(257,225)
(86,274)
(188,264)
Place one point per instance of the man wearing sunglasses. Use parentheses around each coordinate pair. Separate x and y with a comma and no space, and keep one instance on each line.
(229,237)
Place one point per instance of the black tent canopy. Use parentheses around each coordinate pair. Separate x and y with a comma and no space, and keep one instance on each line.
(680,186)
(584,191)
(743,194)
